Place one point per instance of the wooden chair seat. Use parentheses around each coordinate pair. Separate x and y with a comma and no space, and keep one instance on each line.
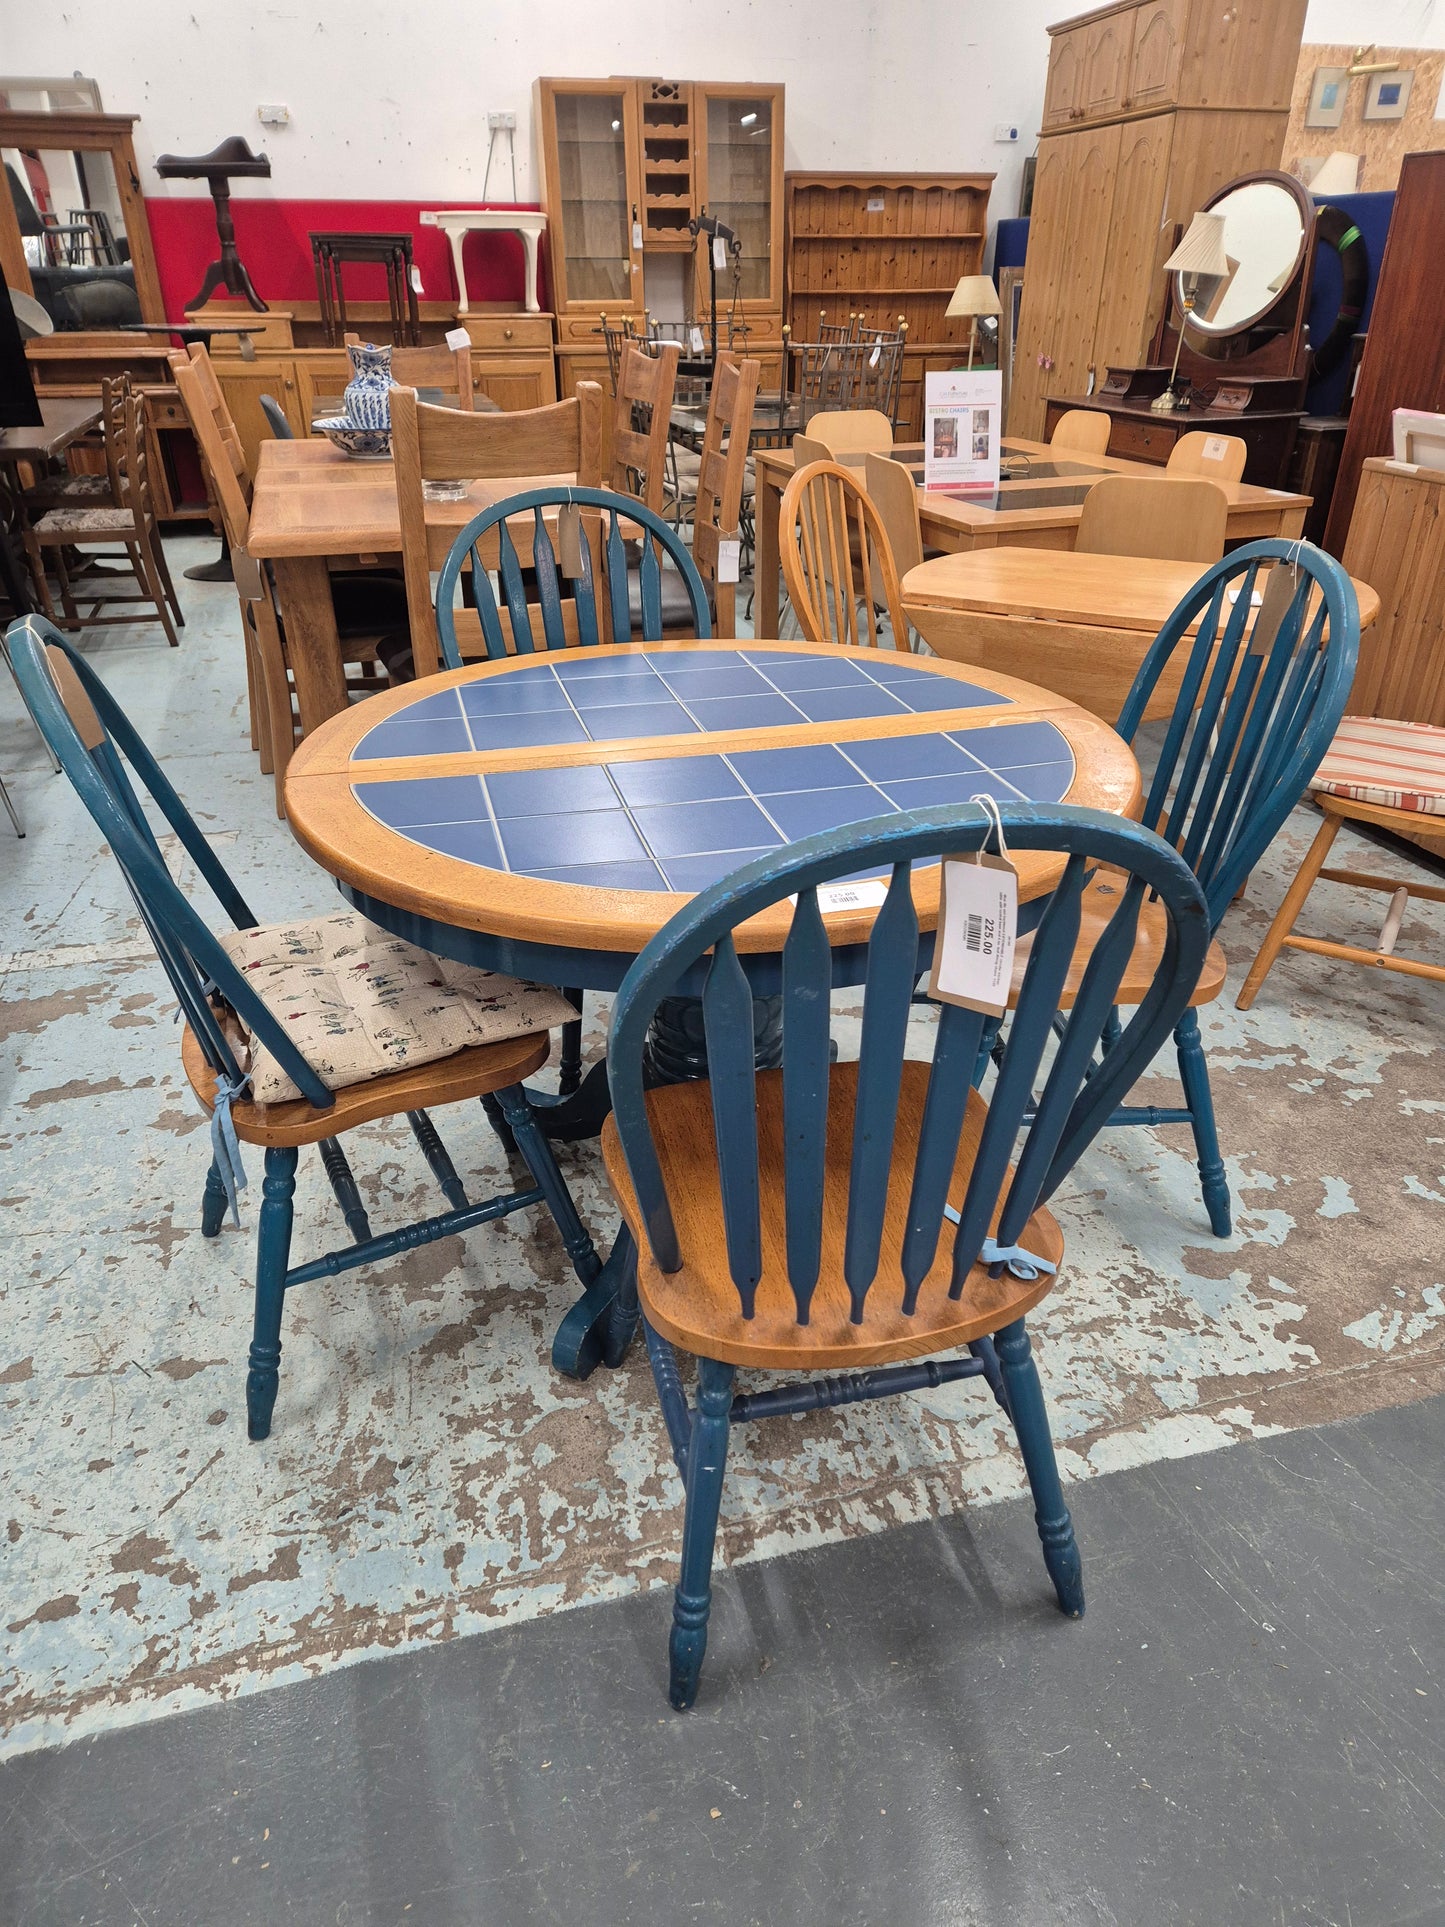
(1099,902)
(697,1307)
(450,1080)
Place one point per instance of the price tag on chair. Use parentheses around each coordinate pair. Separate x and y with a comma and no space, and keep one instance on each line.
(978,921)
(569,540)
(695,342)
(456,338)
(1279,593)
(877,354)
(729,559)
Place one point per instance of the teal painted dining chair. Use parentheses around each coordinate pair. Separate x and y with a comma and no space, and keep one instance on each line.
(564,611)
(95,742)
(827,1217)
(1264,648)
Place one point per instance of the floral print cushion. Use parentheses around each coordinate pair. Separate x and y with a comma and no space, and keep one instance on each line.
(360,1004)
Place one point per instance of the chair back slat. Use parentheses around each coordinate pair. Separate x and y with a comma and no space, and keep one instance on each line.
(575,601)
(806,1053)
(887,999)
(955,1053)
(698,944)
(727,1015)
(192,957)
(1255,711)
(837,560)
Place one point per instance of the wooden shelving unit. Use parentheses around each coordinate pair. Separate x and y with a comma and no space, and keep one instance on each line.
(883,246)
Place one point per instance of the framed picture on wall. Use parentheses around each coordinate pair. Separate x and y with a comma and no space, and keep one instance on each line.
(1388,95)
(1327,97)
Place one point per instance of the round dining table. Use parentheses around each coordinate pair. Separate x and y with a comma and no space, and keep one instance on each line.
(546,814)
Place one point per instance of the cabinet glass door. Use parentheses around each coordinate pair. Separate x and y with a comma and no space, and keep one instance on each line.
(596,237)
(741,132)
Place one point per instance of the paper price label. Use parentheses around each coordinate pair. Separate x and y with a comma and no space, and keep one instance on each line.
(637,234)
(569,540)
(416,279)
(973,956)
(1216,447)
(729,559)
(877,355)
(457,338)
(870,894)
(695,342)
(719,252)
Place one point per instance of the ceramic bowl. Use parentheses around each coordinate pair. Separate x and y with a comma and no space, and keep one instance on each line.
(365,444)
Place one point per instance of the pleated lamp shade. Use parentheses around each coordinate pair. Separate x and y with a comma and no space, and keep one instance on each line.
(1201,252)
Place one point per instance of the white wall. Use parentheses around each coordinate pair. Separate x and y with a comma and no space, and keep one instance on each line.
(389,101)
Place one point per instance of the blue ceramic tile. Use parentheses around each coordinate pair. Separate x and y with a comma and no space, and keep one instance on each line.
(431,799)
(621,720)
(739,680)
(896,758)
(744,712)
(925,792)
(431,709)
(1012,744)
(692,829)
(772,772)
(694,873)
(760,658)
(472,842)
(813,672)
(806,812)
(1043,782)
(527,732)
(400,736)
(604,669)
(670,662)
(902,674)
(675,779)
(843,705)
(607,876)
(564,842)
(513,696)
(939,692)
(547,792)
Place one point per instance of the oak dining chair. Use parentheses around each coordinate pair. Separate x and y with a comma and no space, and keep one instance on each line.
(846,431)
(723,491)
(235,1035)
(837,561)
(565,439)
(1084,431)
(640,418)
(1171,518)
(1261,694)
(894,493)
(794,1220)
(1217,458)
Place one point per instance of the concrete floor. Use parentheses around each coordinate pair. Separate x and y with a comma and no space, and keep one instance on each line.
(366,1613)
(1244,1731)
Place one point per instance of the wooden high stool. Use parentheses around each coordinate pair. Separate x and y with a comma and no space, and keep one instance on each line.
(1377,770)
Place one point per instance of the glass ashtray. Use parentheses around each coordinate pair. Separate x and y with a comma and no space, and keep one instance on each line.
(444,491)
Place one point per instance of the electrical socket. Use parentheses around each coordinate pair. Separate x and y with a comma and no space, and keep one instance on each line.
(1004,130)
(504,118)
(274,116)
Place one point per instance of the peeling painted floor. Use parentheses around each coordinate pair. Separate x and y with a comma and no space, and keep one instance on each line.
(428,1474)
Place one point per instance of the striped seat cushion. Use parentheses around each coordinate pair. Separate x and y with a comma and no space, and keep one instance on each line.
(1374,759)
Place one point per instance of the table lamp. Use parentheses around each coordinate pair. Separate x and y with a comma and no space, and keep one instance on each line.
(1199,257)
(974,295)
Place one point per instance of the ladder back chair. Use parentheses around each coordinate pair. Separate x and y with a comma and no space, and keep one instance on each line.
(434,366)
(1082,431)
(837,562)
(1218,458)
(124,530)
(794,1219)
(719,513)
(640,418)
(230,1030)
(600,608)
(880,379)
(1170,518)
(1388,775)
(559,442)
(1260,697)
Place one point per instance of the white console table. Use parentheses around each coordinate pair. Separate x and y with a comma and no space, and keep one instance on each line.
(458,223)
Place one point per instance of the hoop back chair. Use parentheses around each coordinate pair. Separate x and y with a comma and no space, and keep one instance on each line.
(1175,518)
(794,1218)
(563,439)
(1260,697)
(1218,458)
(837,561)
(1084,430)
(586,621)
(90,734)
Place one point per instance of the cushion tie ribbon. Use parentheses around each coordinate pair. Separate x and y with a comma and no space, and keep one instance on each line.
(225,1145)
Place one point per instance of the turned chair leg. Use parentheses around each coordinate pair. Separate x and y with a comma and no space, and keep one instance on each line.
(521,1122)
(706,1462)
(343,1185)
(569,1064)
(273,1252)
(1194,1076)
(1288,913)
(1031,1423)
(213,1203)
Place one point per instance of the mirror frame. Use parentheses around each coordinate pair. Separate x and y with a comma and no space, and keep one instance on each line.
(1306,206)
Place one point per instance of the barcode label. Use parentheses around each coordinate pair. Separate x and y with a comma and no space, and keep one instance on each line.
(978,925)
(973,933)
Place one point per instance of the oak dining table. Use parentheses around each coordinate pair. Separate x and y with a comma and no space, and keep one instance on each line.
(545,815)
(1036,505)
(313,505)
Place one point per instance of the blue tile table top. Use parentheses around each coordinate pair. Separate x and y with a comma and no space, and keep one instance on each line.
(678,822)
